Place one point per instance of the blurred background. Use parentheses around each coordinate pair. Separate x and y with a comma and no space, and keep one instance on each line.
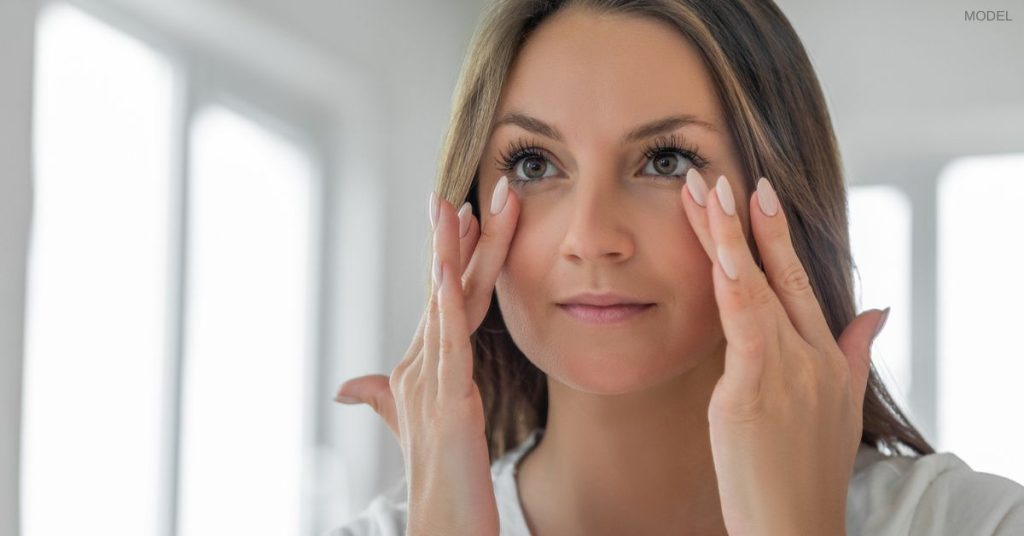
(213,212)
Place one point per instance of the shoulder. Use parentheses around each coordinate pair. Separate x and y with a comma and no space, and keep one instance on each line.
(937,494)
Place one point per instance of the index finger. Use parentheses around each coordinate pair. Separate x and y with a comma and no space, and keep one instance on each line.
(785,271)
(490,252)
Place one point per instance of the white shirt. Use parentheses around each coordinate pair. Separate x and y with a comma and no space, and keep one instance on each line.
(933,495)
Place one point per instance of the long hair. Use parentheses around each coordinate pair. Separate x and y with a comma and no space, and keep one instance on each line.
(780,125)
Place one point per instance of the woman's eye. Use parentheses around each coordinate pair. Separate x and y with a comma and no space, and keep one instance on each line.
(664,164)
(533,168)
(670,163)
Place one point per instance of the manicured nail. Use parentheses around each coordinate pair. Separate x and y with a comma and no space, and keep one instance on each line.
(767,198)
(725,199)
(464,213)
(698,190)
(343,398)
(435,205)
(726,261)
(500,195)
(437,270)
(881,323)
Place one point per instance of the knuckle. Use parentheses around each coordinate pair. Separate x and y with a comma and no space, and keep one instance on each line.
(451,307)
(762,293)
(450,346)
(446,346)
(468,285)
(487,233)
(733,233)
(751,345)
(395,381)
(402,374)
(795,280)
(778,233)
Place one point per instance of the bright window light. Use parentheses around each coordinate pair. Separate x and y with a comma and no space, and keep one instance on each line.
(248,318)
(980,291)
(96,333)
(880,230)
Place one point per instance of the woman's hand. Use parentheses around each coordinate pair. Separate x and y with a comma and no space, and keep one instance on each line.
(430,402)
(786,416)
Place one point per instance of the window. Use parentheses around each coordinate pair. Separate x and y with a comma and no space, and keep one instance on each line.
(980,360)
(99,271)
(880,221)
(246,315)
(171,300)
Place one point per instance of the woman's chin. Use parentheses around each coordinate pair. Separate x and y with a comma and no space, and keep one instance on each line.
(610,373)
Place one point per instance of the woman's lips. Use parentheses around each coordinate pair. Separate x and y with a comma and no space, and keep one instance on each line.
(610,314)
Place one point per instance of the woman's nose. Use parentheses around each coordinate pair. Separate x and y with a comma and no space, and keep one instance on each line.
(598,226)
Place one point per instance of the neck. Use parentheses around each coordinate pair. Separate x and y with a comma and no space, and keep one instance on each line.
(632,463)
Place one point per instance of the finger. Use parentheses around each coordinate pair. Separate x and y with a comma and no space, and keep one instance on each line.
(375,391)
(728,237)
(469,233)
(446,250)
(747,306)
(695,196)
(746,343)
(855,343)
(785,271)
(490,252)
(455,370)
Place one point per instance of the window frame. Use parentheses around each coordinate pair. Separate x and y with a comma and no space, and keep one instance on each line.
(205,77)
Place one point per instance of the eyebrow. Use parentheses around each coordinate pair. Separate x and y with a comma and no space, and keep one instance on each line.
(646,130)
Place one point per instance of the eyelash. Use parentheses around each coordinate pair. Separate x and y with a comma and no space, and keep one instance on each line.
(519,150)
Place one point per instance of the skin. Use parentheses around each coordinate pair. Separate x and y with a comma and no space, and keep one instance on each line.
(601,222)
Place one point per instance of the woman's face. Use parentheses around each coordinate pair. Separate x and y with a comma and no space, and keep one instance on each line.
(606,217)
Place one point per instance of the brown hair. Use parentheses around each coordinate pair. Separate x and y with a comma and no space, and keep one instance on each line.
(780,126)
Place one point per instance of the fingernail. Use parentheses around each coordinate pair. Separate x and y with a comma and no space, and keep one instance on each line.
(726,261)
(500,196)
(767,198)
(881,323)
(698,190)
(464,219)
(435,205)
(437,270)
(346,399)
(725,199)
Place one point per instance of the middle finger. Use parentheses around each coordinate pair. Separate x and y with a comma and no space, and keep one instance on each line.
(446,249)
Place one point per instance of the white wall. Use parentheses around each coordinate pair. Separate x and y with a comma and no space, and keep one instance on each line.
(16,37)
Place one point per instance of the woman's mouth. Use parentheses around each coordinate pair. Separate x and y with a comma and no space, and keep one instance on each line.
(604,314)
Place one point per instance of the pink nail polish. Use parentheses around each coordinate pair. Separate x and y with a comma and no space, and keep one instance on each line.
(725,260)
(767,198)
(500,196)
(345,399)
(725,198)
(698,190)
(435,206)
(437,270)
(881,323)
(464,215)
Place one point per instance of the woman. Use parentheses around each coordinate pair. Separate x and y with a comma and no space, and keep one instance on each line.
(620,354)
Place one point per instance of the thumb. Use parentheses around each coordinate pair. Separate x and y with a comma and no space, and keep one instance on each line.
(855,342)
(374,390)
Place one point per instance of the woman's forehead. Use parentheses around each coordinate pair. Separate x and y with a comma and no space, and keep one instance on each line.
(607,71)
